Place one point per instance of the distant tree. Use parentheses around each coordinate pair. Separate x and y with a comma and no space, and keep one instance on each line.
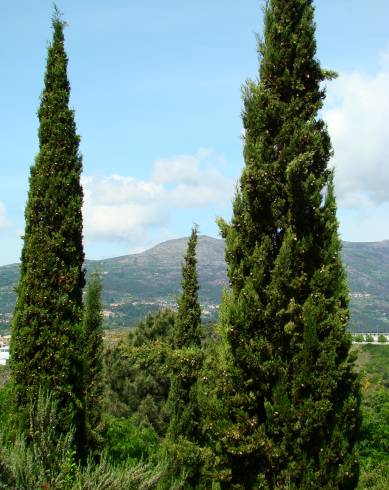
(285,411)
(187,329)
(46,330)
(359,337)
(184,432)
(155,327)
(93,360)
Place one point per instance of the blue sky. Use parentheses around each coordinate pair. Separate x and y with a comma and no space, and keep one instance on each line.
(156,91)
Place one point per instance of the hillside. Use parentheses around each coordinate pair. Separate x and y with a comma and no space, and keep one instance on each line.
(373,364)
(135,284)
(367,266)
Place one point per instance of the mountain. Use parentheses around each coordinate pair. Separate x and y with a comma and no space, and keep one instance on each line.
(138,283)
(367,266)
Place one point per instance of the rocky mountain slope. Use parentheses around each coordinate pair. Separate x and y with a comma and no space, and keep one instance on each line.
(138,283)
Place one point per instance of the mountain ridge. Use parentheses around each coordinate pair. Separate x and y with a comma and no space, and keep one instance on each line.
(135,284)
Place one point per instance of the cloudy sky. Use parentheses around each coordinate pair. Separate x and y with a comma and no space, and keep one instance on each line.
(156,90)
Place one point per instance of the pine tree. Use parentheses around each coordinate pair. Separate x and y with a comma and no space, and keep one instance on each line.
(289,413)
(46,330)
(93,360)
(183,434)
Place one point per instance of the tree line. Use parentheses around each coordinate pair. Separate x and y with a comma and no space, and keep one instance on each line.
(266,399)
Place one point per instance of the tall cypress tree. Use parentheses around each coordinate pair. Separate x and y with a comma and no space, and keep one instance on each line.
(93,360)
(289,393)
(46,326)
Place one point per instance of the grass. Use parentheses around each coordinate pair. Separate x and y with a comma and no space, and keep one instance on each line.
(373,364)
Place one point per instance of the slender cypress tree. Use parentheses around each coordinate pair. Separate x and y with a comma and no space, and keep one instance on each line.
(46,327)
(187,331)
(93,360)
(187,335)
(184,427)
(289,392)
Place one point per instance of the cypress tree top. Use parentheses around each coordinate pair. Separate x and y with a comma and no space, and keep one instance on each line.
(49,304)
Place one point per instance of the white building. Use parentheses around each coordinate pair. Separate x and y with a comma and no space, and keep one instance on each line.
(4,355)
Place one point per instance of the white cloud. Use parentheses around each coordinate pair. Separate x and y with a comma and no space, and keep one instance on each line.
(120,207)
(193,180)
(3,221)
(358,121)
(181,168)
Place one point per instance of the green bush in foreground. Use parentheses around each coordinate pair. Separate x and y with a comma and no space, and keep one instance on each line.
(45,461)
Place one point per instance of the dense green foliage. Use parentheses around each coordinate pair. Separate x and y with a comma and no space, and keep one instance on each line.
(289,393)
(126,441)
(137,373)
(373,362)
(92,351)
(132,456)
(46,332)
(44,461)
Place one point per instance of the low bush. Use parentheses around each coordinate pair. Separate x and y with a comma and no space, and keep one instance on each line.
(358,337)
(43,460)
(125,441)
